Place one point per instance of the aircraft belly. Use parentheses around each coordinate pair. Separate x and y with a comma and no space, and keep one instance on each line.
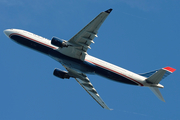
(113,76)
(31,44)
(72,63)
(76,64)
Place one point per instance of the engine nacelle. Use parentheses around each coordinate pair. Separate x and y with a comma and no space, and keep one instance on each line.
(61,74)
(58,42)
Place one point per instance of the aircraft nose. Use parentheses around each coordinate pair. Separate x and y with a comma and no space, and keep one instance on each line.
(7,32)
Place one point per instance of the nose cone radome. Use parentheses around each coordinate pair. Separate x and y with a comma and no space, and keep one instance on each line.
(8,32)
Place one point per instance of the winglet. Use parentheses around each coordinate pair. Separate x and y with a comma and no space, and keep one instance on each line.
(109,10)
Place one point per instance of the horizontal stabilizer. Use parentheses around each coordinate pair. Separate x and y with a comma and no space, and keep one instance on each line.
(157,93)
(148,74)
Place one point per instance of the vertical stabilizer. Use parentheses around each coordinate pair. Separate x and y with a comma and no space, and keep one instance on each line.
(159,75)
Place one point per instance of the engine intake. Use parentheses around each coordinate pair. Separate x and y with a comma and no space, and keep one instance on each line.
(61,74)
(58,42)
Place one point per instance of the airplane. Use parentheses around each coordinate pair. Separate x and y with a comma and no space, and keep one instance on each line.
(72,54)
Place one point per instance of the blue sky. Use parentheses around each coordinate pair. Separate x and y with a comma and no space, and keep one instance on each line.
(139,35)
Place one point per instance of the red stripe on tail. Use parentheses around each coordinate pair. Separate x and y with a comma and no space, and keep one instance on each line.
(170,69)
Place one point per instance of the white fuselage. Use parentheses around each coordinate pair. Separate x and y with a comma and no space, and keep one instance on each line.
(97,66)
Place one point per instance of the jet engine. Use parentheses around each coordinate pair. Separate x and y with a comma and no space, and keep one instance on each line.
(61,74)
(58,42)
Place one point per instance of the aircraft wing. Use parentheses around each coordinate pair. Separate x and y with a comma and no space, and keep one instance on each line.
(84,81)
(83,39)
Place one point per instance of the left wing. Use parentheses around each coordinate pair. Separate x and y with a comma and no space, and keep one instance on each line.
(84,38)
(84,81)
(81,42)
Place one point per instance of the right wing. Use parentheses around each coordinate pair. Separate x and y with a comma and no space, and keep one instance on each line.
(87,85)
(84,81)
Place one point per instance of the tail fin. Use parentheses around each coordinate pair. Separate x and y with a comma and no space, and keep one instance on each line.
(156,77)
(159,75)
